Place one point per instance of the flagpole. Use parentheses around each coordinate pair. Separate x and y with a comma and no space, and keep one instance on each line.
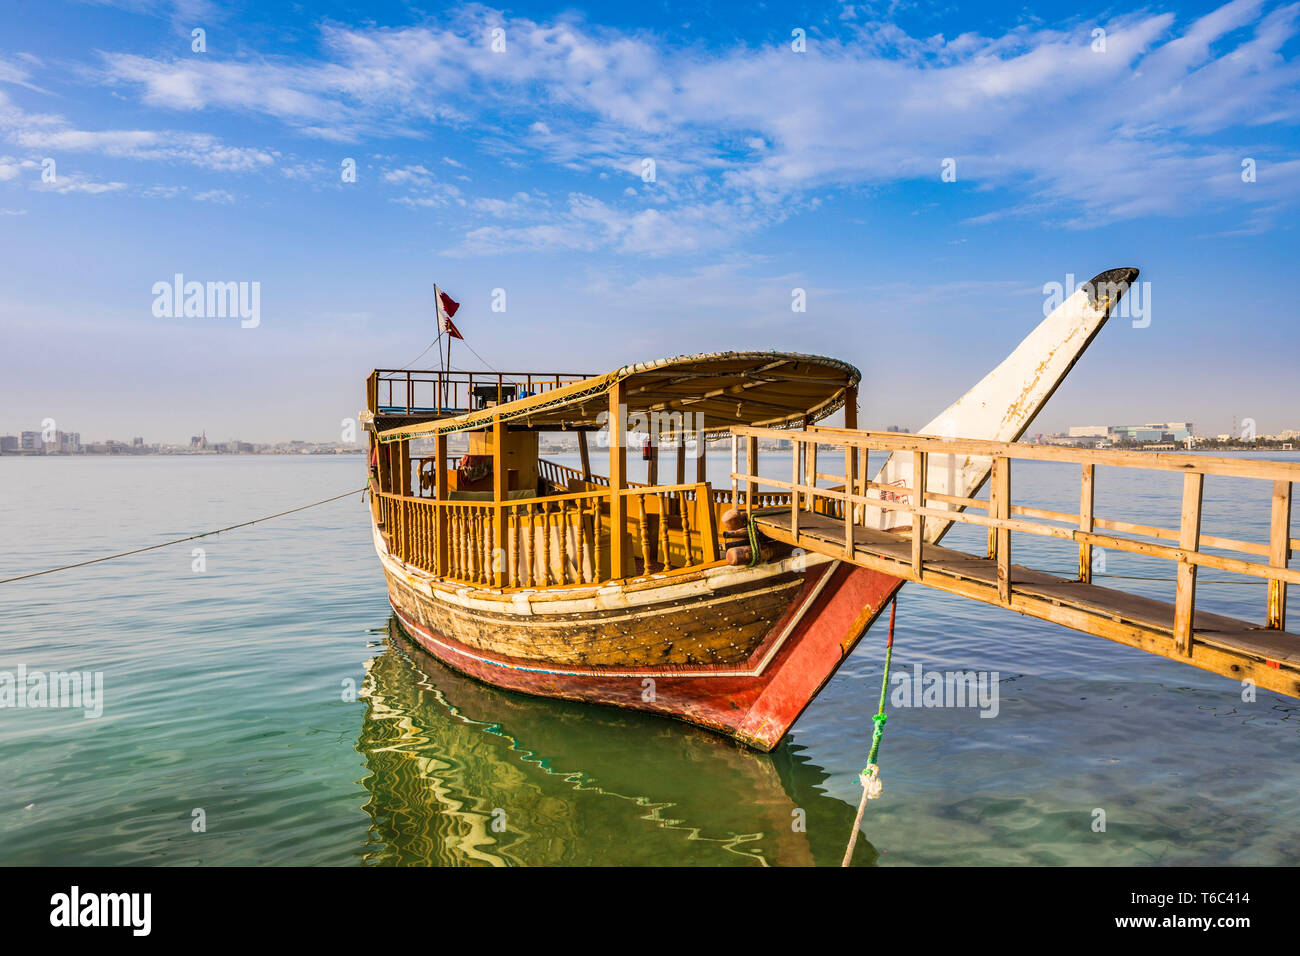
(437,303)
(437,320)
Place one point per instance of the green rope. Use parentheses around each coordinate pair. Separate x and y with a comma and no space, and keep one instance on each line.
(870,773)
(753,542)
(880,717)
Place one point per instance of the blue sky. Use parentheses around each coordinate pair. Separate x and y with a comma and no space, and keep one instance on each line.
(522,170)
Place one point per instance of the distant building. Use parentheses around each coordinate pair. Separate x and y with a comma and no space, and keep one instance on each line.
(8,444)
(64,443)
(1162,432)
(30,443)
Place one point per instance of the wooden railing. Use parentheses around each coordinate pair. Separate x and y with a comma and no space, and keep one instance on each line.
(658,511)
(560,475)
(436,393)
(552,541)
(556,540)
(860,502)
(761,499)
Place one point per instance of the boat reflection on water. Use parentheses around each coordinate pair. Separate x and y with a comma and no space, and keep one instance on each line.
(462,774)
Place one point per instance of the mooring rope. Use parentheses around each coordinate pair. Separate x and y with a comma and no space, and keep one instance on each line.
(870,776)
(193,537)
(754,556)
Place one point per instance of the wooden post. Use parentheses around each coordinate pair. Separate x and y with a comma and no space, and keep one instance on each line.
(751,469)
(404,459)
(500,495)
(652,466)
(809,470)
(920,475)
(735,468)
(864,470)
(617,481)
(1002,542)
(585,455)
(795,447)
(385,466)
(706,519)
(1279,551)
(440,491)
(1189,539)
(850,457)
(701,459)
(1087,488)
(681,458)
(850,452)
(993,510)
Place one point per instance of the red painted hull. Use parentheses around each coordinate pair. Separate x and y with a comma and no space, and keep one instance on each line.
(756,703)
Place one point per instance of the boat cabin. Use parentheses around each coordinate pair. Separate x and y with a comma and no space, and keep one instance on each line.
(494,513)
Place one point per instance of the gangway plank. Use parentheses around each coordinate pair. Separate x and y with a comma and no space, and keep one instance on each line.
(816,522)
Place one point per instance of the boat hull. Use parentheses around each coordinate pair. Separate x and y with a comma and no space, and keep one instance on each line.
(811,614)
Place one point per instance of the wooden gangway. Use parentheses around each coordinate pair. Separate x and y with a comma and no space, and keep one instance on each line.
(894,527)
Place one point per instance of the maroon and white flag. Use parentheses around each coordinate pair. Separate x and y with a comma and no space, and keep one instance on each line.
(447,307)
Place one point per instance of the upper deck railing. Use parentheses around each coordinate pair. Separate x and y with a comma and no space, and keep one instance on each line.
(435,393)
(553,541)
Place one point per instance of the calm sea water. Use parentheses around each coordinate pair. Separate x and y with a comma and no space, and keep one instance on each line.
(228,699)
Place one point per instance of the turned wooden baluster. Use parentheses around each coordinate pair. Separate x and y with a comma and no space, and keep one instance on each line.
(595,540)
(664,563)
(686,525)
(476,545)
(584,551)
(644,535)
(545,575)
(512,548)
(562,519)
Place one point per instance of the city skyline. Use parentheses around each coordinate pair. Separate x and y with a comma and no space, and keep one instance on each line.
(918,184)
(1180,431)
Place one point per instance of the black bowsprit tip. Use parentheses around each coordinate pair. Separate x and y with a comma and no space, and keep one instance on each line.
(1106,288)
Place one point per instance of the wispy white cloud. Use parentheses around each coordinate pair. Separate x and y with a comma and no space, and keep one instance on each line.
(52,133)
(1154,123)
(215,195)
(65,183)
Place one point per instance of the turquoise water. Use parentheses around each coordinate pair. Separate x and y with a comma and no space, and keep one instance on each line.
(227,691)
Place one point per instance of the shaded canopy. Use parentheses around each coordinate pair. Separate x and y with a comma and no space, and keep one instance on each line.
(709,393)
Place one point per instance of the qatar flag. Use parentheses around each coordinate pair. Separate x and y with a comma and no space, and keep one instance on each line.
(447,307)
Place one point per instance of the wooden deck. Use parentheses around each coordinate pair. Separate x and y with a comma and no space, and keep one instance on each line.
(1220,644)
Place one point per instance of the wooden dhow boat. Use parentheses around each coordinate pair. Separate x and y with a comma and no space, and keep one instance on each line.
(565,582)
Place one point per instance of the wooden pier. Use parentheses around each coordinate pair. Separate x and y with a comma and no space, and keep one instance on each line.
(894,527)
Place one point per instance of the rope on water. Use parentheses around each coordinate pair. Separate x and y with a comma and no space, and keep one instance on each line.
(870,776)
(193,537)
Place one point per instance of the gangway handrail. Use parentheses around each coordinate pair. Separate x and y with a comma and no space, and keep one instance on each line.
(853,502)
